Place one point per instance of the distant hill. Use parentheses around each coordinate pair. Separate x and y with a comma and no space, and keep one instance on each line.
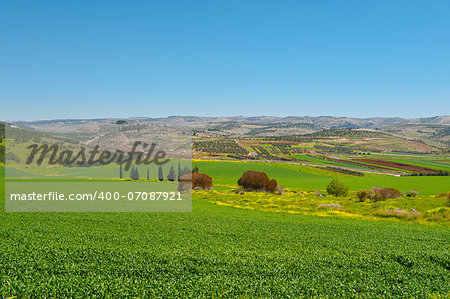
(437,135)
(320,122)
(433,131)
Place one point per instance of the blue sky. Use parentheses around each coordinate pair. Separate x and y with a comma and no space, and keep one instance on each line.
(88,59)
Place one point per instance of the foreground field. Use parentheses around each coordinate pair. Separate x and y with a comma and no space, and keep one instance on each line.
(219,251)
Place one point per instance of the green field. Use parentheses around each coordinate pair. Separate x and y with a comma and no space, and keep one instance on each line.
(218,251)
(317,160)
(226,174)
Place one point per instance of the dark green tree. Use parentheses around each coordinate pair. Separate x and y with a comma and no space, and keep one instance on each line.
(186,170)
(160,174)
(171,175)
(337,188)
(134,173)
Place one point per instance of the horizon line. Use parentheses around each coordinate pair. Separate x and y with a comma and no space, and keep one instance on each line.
(233,116)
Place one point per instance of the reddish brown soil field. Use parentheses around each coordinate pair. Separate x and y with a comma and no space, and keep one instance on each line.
(356,163)
(397,165)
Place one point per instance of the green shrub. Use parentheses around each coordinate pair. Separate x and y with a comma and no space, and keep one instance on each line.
(447,202)
(337,188)
(363,195)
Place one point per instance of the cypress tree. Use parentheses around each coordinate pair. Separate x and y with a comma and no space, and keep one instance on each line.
(186,170)
(134,173)
(137,173)
(160,174)
(171,174)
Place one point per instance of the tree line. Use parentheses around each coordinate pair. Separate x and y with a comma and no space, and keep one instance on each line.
(172,174)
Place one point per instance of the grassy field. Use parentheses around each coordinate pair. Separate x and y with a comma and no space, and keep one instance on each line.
(427,210)
(226,174)
(218,251)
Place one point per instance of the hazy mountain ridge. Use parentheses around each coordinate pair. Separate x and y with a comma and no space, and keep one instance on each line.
(324,122)
(431,131)
(434,131)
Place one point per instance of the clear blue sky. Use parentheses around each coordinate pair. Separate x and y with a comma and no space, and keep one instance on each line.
(87,59)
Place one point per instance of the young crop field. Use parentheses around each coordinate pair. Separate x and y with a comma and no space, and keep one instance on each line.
(219,251)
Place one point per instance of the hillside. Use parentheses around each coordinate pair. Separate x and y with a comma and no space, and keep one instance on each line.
(433,135)
(432,132)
